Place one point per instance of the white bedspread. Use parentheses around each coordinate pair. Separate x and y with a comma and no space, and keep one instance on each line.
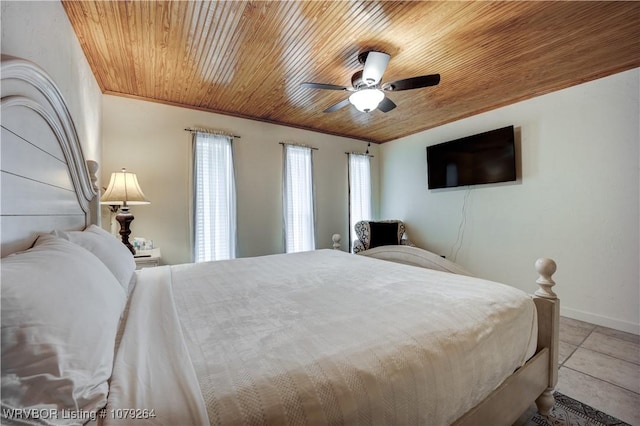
(325,337)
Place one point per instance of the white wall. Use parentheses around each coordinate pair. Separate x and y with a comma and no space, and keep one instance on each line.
(41,32)
(576,200)
(149,139)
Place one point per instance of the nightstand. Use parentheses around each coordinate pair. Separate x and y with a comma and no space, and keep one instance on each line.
(147,258)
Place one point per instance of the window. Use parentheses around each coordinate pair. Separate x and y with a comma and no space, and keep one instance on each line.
(298,202)
(214,204)
(359,191)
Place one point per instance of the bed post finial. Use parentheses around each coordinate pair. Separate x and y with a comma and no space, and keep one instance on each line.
(92,166)
(94,203)
(336,241)
(546,268)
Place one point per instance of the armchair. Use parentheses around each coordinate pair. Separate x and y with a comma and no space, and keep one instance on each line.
(372,234)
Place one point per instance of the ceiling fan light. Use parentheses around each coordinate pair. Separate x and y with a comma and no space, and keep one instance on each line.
(366,100)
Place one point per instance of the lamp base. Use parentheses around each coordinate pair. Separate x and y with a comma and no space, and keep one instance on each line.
(125,218)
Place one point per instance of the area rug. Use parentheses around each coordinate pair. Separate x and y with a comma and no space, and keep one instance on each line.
(569,412)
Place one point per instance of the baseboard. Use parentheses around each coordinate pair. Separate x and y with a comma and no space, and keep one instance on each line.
(603,321)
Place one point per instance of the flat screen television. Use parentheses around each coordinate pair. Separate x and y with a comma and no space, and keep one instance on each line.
(488,157)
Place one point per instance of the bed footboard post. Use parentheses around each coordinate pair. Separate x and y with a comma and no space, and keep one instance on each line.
(548,306)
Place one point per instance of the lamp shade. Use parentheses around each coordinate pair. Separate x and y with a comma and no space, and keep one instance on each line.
(123,190)
(366,100)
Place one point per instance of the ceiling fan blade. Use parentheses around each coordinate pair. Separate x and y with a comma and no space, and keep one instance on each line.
(374,67)
(337,106)
(322,86)
(386,105)
(412,83)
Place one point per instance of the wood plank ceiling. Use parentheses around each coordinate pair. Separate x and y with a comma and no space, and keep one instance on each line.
(247,59)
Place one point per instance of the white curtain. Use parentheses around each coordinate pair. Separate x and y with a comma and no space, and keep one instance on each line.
(359,190)
(298,199)
(214,209)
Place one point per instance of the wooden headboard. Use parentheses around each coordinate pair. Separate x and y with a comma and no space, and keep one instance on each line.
(45,183)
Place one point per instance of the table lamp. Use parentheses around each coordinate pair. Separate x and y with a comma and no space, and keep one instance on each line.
(124,190)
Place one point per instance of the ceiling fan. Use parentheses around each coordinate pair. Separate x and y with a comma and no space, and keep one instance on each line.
(368,93)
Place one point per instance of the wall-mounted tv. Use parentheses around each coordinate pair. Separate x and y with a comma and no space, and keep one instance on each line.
(488,157)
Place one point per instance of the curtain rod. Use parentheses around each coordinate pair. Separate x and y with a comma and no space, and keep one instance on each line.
(359,153)
(210,131)
(298,144)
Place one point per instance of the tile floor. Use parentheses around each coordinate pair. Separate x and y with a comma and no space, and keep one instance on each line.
(600,367)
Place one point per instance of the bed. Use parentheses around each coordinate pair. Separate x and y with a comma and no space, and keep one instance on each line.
(322,337)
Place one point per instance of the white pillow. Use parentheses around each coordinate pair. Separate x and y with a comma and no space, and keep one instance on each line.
(60,312)
(115,255)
